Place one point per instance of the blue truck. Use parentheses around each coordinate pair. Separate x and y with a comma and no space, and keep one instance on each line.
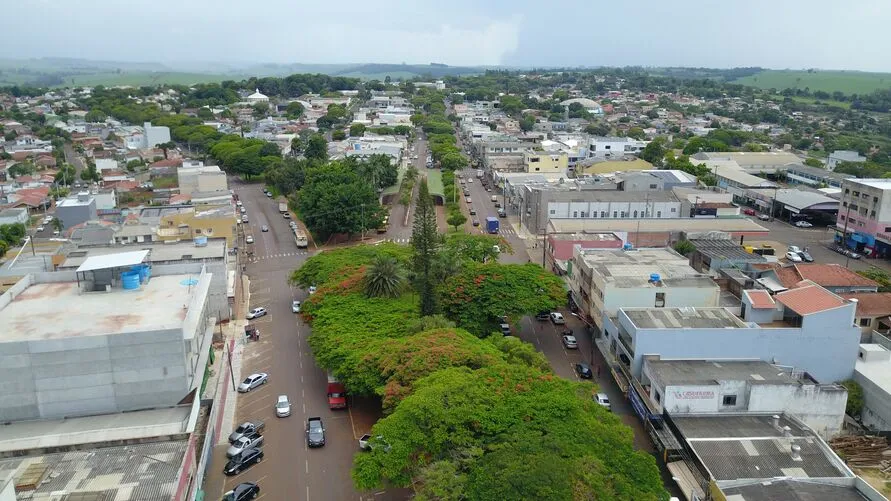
(492,224)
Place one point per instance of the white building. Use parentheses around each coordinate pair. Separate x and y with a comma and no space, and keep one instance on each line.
(201,179)
(839,156)
(257,97)
(154,135)
(604,280)
(614,147)
(807,328)
(873,373)
(103,164)
(733,386)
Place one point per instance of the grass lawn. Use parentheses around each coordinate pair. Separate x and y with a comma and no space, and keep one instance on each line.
(849,82)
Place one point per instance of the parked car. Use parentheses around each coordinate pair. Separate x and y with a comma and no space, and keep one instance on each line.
(584,370)
(243,461)
(847,252)
(269,194)
(793,256)
(749,212)
(282,406)
(764,217)
(246,428)
(806,256)
(557,318)
(603,400)
(467,199)
(794,248)
(803,224)
(39,229)
(249,239)
(295,306)
(286,215)
(250,441)
(543,315)
(264,228)
(570,343)
(501,213)
(476,222)
(253,381)
(311,290)
(472,211)
(256,313)
(315,432)
(243,492)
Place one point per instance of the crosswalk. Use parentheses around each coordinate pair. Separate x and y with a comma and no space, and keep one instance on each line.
(256,258)
(403,240)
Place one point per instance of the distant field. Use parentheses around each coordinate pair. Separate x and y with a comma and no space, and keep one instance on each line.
(137,79)
(395,75)
(849,82)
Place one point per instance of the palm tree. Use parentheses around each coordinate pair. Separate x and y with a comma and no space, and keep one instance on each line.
(385,278)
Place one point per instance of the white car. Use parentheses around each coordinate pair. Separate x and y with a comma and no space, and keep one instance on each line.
(794,248)
(803,224)
(282,406)
(253,381)
(256,313)
(249,239)
(557,318)
(295,306)
(238,203)
(312,289)
(603,400)
(40,228)
(794,257)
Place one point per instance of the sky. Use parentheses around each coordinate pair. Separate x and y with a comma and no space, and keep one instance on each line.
(779,34)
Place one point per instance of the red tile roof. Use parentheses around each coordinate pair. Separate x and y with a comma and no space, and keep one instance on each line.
(809,299)
(170,162)
(827,275)
(760,299)
(871,304)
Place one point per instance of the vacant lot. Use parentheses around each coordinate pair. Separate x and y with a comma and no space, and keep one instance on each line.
(849,82)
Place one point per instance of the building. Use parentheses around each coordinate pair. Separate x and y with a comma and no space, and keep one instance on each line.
(258,97)
(614,147)
(559,247)
(760,457)
(839,156)
(873,311)
(681,387)
(155,135)
(832,277)
(736,180)
(603,281)
(715,254)
(873,373)
(808,328)
(106,199)
(103,338)
(540,161)
(865,216)
(659,232)
(815,176)
(201,178)
(14,216)
(768,162)
(187,222)
(103,164)
(75,210)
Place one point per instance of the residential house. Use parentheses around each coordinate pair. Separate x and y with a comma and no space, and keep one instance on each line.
(14,216)
(873,311)
(77,209)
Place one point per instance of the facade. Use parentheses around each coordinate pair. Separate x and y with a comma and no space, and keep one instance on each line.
(815,176)
(201,179)
(767,162)
(80,344)
(733,386)
(603,281)
(540,161)
(873,373)
(14,216)
(75,210)
(106,199)
(178,223)
(865,215)
(808,328)
(839,156)
(614,147)
(659,232)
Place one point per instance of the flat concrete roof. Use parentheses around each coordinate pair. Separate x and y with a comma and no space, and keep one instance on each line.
(671,372)
(683,318)
(41,434)
(877,371)
(59,310)
(215,248)
(632,268)
(880,183)
(675,225)
(143,472)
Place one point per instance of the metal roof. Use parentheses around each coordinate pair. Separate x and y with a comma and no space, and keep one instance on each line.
(113,261)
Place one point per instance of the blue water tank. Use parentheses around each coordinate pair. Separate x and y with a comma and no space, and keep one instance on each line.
(627,246)
(654,277)
(130,280)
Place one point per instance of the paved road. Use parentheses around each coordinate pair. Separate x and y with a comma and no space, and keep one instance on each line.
(397,232)
(289,470)
(481,202)
(73,158)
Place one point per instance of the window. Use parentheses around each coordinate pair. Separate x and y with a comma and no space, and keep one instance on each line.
(635,214)
(537,169)
(729,400)
(623,213)
(864,322)
(534,159)
(653,186)
(593,213)
(553,211)
(615,213)
(197,231)
(887,228)
(674,209)
(660,300)
(658,213)
(607,147)
(856,193)
(575,213)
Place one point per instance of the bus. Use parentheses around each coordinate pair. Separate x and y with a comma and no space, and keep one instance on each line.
(300,238)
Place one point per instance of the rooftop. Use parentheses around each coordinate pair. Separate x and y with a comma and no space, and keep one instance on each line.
(158,253)
(741,177)
(800,199)
(760,299)
(632,268)
(726,250)
(871,304)
(810,299)
(875,365)
(673,372)
(59,310)
(745,158)
(882,184)
(144,472)
(826,275)
(792,490)
(818,172)
(730,225)
(683,318)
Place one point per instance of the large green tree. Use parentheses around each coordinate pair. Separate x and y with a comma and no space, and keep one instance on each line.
(425,241)
(384,278)
(334,199)
(316,148)
(654,151)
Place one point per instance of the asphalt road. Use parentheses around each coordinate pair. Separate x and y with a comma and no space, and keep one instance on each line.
(397,232)
(290,470)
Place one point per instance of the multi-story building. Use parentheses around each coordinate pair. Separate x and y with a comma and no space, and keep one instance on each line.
(113,335)
(601,281)
(201,179)
(75,210)
(614,147)
(873,374)
(544,161)
(865,215)
(186,222)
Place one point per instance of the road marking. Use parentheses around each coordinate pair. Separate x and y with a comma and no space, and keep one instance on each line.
(307,493)
(307,466)
(352,424)
(304,408)
(301,379)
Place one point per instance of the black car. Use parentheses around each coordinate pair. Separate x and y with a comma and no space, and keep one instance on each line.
(315,432)
(584,370)
(501,213)
(543,315)
(243,461)
(242,492)
(505,329)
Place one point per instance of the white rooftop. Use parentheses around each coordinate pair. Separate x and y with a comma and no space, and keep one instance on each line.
(118,260)
(882,184)
(59,310)
(875,368)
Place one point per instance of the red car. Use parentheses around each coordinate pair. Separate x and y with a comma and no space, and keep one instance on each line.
(749,212)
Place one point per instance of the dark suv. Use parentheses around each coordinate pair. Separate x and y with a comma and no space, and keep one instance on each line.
(543,315)
(242,492)
(243,461)
(315,432)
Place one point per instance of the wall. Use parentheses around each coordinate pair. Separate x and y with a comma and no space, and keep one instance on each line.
(645,297)
(546,162)
(7,488)
(821,408)
(876,412)
(73,215)
(18,216)
(221,227)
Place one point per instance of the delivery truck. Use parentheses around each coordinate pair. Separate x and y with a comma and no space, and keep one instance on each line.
(283,207)
(492,224)
(479,173)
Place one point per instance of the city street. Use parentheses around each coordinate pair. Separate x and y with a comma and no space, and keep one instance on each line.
(289,469)
(397,232)
(481,201)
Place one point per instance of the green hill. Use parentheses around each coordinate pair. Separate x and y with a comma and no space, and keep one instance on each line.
(848,82)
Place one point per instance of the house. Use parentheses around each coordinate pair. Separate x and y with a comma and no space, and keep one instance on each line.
(833,277)
(839,156)
(873,311)
(14,216)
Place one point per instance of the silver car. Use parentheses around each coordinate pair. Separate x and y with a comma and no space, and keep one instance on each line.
(249,441)
(570,342)
(282,406)
(253,381)
(603,400)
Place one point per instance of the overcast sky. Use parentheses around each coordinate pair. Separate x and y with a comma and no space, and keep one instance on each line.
(825,34)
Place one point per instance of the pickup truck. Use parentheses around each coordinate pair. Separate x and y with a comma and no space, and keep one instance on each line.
(251,440)
(246,428)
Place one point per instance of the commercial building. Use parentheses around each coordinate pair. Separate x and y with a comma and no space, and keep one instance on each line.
(808,328)
(201,179)
(186,222)
(614,147)
(815,176)
(715,254)
(753,162)
(865,215)
(839,156)
(112,336)
(603,281)
(542,161)
(155,135)
(732,386)
(75,210)
(659,232)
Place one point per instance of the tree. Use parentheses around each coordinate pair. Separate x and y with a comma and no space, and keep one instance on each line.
(637,133)
(12,234)
(357,130)
(316,148)
(453,161)
(384,278)
(425,242)
(205,113)
(65,175)
(684,247)
(598,129)
(21,169)
(338,135)
(95,116)
(261,110)
(294,110)
(334,199)
(527,123)
(654,152)
(57,224)
(165,147)
(814,162)
(456,218)
(878,275)
(854,406)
